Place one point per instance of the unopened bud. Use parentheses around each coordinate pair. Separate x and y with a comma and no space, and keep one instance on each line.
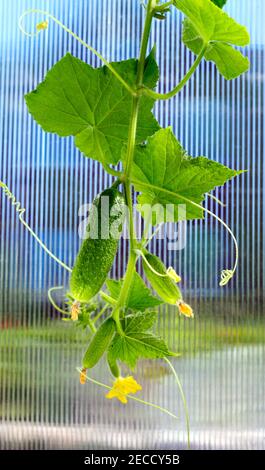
(41,26)
(185,309)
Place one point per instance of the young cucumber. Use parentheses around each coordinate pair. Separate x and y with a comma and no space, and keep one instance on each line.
(98,250)
(114,368)
(163,285)
(99,343)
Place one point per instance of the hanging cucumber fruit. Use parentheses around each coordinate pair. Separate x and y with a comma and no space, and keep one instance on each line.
(114,368)
(98,250)
(99,343)
(163,281)
(160,280)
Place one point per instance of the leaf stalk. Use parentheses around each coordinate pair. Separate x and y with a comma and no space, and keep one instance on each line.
(166,96)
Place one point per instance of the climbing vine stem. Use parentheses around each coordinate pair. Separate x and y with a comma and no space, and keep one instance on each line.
(128,164)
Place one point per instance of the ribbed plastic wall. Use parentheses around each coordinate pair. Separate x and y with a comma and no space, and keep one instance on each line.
(42,404)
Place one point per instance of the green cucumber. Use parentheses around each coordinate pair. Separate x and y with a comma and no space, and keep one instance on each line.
(163,285)
(99,343)
(97,254)
(114,368)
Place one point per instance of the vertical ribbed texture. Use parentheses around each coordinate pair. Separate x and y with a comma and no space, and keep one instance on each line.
(42,404)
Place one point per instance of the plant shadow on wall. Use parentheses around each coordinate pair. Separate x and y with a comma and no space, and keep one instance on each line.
(109,112)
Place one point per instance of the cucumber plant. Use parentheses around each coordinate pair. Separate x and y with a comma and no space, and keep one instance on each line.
(108,111)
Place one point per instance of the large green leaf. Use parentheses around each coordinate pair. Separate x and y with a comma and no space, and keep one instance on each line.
(165,175)
(139,298)
(208,26)
(92,105)
(136,342)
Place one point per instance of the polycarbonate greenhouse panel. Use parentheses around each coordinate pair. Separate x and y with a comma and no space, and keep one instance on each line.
(42,404)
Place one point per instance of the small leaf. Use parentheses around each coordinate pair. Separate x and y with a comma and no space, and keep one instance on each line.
(137,343)
(208,26)
(140,297)
(92,105)
(151,70)
(163,164)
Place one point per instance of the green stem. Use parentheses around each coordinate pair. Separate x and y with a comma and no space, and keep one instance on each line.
(144,41)
(214,198)
(107,298)
(170,94)
(128,197)
(147,241)
(128,165)
(92,326)
(163,6)
(131,137)
(49,293)
(116,318)
(147,223)
(99,315)
(111,171)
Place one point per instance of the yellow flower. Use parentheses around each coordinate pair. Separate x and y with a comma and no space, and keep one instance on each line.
(185,309)
(82,377)
(42,25)
(123,386)
(75,310)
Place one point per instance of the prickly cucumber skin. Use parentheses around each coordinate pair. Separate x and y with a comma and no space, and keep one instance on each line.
(164,286)
(99,343)
(96,255)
